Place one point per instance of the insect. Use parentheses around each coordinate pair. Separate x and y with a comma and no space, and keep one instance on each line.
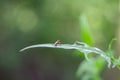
(58,42)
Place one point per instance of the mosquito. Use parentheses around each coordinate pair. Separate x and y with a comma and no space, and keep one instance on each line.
(58,42)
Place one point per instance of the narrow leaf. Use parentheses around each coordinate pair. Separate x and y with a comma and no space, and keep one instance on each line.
(80,46)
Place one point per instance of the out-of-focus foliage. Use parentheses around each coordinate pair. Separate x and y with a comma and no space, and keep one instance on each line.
(85,31)
(27,22)
(93,72)
(90,69)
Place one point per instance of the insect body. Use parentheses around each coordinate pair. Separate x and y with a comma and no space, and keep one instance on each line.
(58,42)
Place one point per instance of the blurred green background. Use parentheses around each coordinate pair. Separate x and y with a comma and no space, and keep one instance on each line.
(28,22)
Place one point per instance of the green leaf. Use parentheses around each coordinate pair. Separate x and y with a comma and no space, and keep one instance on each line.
(95,66)
(80,46)
(85,30)
(110,44)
